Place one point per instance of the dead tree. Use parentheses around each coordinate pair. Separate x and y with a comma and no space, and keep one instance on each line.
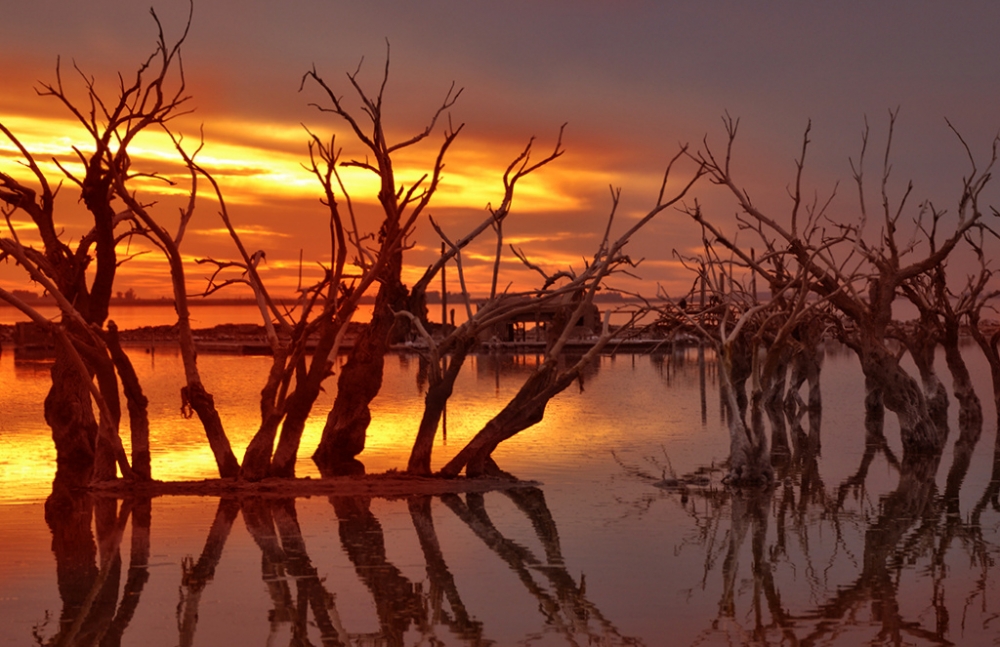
(324,310)
(446,357)
(754,341)
(553,375)
(81,277)
(859,278)
(361,377)
(195,398)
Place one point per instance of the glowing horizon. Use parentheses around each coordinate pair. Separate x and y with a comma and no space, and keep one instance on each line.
(623,78)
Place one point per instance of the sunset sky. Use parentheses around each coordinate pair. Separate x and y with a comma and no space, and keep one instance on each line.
(632,79)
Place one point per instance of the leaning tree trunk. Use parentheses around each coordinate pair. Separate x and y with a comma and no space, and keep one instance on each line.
(194,396)
(970,414)
(527,408)
(901,394)
(970,409)
(806,364)
(770,400)
(360,381)
(299,404)
(442,383)
(257,457)
(922,346)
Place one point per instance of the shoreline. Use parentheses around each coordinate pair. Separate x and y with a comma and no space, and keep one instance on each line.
(386,485)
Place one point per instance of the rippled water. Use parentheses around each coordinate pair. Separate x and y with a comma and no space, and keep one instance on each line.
(597,554)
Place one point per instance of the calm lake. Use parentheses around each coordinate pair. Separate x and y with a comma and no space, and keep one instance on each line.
(836,554)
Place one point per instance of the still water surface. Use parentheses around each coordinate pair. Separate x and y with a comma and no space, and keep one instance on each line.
(596,554)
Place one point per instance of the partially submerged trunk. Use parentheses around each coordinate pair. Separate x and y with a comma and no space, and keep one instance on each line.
(194,396)
(442,383)
(922,346)
(69,414)
(360,380)
(137,403)
(527,408)
(970,409)
(298,407)
(886,380)
(771,398)
(257,458)
(749,455)
(806,363)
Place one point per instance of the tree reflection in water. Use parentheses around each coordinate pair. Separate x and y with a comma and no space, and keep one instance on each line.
(802,563)
(302,607)
(88,572)
(895,591)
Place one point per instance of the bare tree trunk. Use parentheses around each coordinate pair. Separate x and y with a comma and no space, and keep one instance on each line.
(137,403)
(360,379)
(900,394)
(922,346)
(970,409)
(257,458)
(194,396)
(442,383)
(806,363)
(970,415)
(296,413)
(772,397)
(527,408)
(69,414)
(749,455)
(299,404)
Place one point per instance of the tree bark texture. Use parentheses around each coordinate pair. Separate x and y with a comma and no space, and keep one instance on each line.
(195,397)
(901,394)
(137,403)
(527,408)
(749,454)
(69,414)
(360,381)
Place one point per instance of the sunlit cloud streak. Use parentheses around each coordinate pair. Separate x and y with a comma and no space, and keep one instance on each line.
(633,82)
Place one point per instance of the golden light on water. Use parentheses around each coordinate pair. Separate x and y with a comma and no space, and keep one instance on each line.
(180,451)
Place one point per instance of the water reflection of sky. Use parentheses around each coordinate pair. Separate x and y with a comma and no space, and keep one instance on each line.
(635,562)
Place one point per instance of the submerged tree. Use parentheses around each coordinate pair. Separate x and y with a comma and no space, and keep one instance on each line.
(89,360)
(554,373)
(860,278)
(361,377)
(305,341)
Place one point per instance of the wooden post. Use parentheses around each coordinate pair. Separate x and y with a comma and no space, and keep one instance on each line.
(444,294)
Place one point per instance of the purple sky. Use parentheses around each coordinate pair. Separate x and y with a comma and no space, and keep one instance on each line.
(632,79)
